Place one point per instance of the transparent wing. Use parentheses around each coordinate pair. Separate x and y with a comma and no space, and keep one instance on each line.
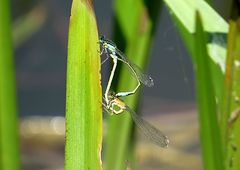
(152,133)
(135,70)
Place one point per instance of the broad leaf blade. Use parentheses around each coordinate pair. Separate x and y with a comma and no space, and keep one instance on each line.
(83,105)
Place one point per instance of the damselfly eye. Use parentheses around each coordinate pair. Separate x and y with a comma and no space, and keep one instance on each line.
(102,38)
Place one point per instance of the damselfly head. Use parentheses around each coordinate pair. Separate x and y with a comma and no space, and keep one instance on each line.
(151,83)
(103,42)
(106,42)
(102,39)
(111,95)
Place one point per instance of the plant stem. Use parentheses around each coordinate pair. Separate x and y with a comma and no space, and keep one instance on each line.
(9,149)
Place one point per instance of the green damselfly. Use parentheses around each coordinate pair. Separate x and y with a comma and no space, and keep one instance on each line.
(109,48)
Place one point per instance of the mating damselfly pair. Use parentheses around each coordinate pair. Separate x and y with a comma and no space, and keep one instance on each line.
(112,103)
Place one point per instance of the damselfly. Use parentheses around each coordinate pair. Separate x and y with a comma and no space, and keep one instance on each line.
(112,51)
(117,106)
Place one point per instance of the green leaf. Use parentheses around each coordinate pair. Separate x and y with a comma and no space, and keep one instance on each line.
(9,143)
(183,14)
(83,105)
(209,130)
(231,106)
(185,10)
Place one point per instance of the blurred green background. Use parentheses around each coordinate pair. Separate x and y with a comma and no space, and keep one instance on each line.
(40,33)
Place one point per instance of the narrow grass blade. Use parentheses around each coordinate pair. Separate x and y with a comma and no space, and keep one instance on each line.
(9,143)
(135,24)
(25,26)
(230,121)
(83,105)
(228,83)
(209,130)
